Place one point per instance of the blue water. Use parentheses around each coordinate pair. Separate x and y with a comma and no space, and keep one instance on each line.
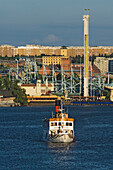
(22,146)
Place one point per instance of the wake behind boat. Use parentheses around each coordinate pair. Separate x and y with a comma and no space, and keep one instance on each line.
(61,128)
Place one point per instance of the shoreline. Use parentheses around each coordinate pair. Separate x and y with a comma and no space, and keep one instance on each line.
(72,103)
(84,103)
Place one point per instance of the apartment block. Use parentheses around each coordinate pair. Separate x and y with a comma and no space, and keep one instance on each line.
(73,51)
(7,50)
(102,64)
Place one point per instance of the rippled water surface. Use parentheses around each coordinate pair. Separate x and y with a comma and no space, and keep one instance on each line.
(22,146)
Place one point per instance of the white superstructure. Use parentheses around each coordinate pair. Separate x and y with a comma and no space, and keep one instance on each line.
(61,128)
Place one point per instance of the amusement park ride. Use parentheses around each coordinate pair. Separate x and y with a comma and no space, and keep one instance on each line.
(87,85)
(70,83)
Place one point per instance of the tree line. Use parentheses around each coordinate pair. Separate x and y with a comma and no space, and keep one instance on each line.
(15,89)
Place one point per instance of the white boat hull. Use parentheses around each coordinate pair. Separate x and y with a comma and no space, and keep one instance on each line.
(64,138)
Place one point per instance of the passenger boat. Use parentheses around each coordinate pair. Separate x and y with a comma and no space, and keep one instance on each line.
(61,127)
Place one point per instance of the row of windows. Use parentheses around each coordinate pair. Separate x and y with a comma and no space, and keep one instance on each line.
(61,124)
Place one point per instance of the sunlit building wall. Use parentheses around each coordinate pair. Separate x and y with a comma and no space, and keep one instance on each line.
(6,50)
(51,60)
(102,64)
(37,50)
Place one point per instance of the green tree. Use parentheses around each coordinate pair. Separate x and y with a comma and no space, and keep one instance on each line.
(15,89)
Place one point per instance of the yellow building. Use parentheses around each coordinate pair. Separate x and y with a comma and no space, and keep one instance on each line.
(51,59)
(64,51)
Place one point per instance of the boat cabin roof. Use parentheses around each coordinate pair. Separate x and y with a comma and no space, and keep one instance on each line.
(61,119)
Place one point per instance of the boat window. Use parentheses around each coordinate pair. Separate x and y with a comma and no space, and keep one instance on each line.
(55,123)
(52,124)
(70,124)
(59,123)
(67,124)
(62,123)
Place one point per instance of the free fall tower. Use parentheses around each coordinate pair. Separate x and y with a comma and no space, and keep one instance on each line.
(86,52)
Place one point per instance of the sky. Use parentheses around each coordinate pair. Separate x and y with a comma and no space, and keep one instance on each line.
(55,22)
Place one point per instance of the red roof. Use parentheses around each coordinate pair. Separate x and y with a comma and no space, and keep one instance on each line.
(28,85)
(43,85)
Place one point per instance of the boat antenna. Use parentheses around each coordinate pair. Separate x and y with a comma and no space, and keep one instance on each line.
(52,114)
(67,109)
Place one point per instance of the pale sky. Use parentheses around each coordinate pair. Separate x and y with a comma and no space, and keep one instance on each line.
(50,22)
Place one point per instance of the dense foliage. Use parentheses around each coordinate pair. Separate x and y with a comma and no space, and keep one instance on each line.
(17,92)
(78,59)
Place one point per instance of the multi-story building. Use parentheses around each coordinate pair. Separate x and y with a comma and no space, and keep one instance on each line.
(101,50)
(73,51)
(7,50)
(110,65)
(32,50)
(51,59)
(102,64)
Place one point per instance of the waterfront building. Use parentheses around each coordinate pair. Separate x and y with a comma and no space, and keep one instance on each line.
(6,98)
(37,89)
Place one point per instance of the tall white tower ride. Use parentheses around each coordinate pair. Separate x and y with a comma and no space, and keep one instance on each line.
(86,57)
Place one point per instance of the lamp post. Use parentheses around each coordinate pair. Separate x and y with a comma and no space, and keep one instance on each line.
(17,69)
